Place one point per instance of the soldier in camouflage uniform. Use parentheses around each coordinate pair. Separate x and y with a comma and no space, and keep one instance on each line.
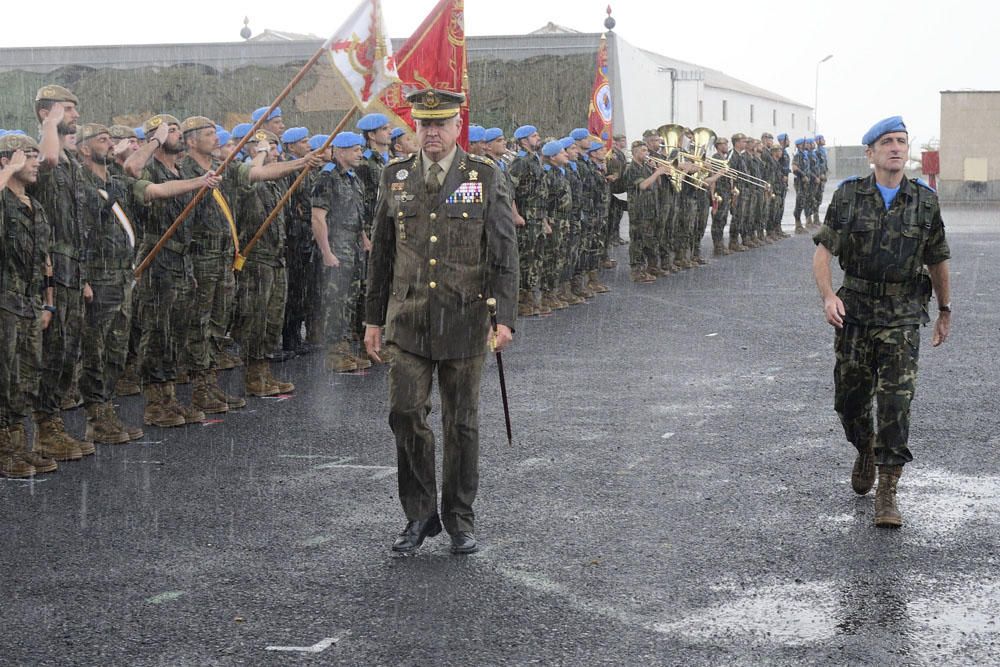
(376,131)
(338,223)
(724,190)
(811,212)
(741,196)
(596,249)
(563,244)
(299,244)
(802,169)
(559,211)
(642,180)
(887,233)
(661,233)
(616,163)
(25,270)
(823,163)
(530,197)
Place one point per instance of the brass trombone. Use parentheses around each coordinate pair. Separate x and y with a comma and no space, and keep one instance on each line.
(678,177)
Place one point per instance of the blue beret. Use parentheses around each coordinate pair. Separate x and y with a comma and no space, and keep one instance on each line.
(396,133)
(884,126)
(255,116)
(782,136)
(800,141)
(293,134)
(579,133)
(224,137)
(819,136)
(3,132)
(476,133)
(139,133)
(594,145)
(348,140)
(317,140)
(524,132)
(240,131)
(566,142)
(16,132)
(552,148)
(372,121)
(492,134)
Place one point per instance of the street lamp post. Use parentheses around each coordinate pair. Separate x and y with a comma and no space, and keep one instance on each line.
(816,99)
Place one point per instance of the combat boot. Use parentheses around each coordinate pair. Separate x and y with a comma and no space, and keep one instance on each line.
(191,415)
(816,222)
(580,288)
(886,513)
(799,229)
(361,359)
(226,360)
(73,399)
(102,430)
(566,293)
(338,359)
(156,412)
(134,432)
(539,304)
(609,263)
(718,250)
(234,402)
(595,285)
(183,377)
(19,440)
(640,276)
(12,464)
(128,384)
(49,440)
(863,472)
(550,301)
(524,305)
(287,387)
(202,396)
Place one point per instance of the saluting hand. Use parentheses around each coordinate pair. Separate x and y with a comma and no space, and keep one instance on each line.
(161,134)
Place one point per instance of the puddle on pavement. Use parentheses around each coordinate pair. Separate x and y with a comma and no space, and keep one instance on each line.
(941,504)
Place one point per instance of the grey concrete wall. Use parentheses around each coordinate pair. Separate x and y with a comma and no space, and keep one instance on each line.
(847,161)
(969,192)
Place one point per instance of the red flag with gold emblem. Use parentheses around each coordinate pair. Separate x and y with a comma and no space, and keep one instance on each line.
(433,57)
(599,122)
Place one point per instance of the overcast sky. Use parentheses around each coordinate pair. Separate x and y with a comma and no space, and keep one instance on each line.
(888,57)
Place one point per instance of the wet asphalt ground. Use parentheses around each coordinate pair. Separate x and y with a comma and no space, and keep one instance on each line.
(677,494)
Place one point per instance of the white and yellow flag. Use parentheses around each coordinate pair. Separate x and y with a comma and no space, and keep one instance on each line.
(362,52)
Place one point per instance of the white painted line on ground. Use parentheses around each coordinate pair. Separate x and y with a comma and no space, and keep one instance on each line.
(318,647)
(667,436)
(380,471)
(25,480)
(711,335)
(168,596)
(307,456)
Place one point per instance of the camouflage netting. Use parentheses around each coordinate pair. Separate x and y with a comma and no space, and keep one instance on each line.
(551,92)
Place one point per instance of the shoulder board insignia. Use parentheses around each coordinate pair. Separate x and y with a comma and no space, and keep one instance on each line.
(481,159)
(401,159)
(921,182)
(851,179)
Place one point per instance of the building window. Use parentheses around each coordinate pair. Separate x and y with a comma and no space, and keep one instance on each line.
(774,118)
(725,110)
(751,114)
(701,111)
(793,120)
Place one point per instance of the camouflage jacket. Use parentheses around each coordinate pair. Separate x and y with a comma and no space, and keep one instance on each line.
(586,170)
(109,254)
(341,195)
(211,235)
(175,257)
(601,190)
(577,186)
(723,186)
(883,252)
(616,163)
(527,177)
(24,246)
(255,204)
(786,163)
(822,162)
(298,213)
(436,258)
(641,203)
(802,165)
(370,172)
(560,201)
(60,190)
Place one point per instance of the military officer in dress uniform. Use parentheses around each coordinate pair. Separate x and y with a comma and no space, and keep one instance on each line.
(443,244)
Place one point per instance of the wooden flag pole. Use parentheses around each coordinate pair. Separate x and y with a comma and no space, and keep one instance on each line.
(172,229)
(241,258)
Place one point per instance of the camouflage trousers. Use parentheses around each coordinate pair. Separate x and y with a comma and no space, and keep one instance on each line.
(341,287)
(61,343)
(261,291)
(663,233)
(719,216)
(612,233)
(593,234)
(530,245)
(702,210)
(20,365)
(755,221)
(410,379)
(877,363)
(106,329)
(211,311)
(554,254)
(777,209)
(687,214)
(163,310)
(803,197)
(298,260)
(642,243)
(818,194)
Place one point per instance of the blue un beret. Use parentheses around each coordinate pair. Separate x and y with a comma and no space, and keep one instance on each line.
(224,137)
(800,141)
(552,148)
(348,140)
(492,134)
(885,126)
(594,145)
(819,136)
(476,133)
(140,134)
(579,133)
(396,133)
(255,116)
(293,134)
(317,140)
(782,136)
(240,131)
(372,121)
(524,132)
(566,142)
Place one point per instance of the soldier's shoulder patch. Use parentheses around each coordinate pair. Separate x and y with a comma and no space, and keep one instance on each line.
(481,160)
(367,154)
(924,184)
(851,179)
(400,160)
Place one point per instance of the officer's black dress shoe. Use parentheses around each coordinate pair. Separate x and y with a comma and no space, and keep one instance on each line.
(463,543)
(413,535)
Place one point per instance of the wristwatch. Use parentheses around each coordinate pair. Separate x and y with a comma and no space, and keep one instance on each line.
(51,309)
(944,308)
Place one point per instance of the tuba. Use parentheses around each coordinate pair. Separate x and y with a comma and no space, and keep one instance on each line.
(671,135)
